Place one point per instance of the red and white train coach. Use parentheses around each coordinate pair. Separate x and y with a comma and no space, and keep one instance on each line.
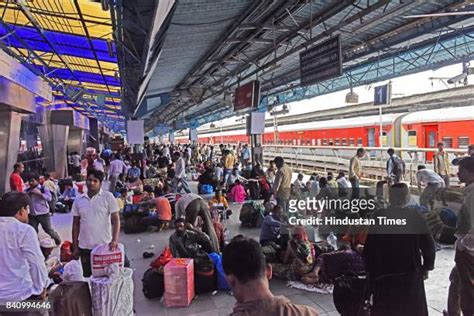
(421,129)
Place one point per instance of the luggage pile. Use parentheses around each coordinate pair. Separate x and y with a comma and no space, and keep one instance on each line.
(252,214)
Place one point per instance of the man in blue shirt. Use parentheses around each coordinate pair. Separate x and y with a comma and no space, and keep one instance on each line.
(271,226)
(39,208)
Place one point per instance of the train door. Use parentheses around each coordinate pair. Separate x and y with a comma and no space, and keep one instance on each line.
(431,136)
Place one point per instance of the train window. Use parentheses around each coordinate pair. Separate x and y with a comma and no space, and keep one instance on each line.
(337,142)
(351,142)
(325,141)
(359,142)
(448,142)
(463,141)
(344,142)
(412,138)
(331,143)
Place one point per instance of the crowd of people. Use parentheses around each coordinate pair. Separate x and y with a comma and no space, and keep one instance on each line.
(394,260)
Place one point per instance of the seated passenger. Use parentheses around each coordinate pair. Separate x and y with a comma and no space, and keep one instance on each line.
(152,171)
(234,176)
(207,177)
(271,226)
(344,185)
(148,193)
(331,181)
(186,242)
(218,205)
(238,194)
(68,195)
(162,215)
(23,275)
(123,198)
(325,191)
(299,259)
(248,276)
(298,187)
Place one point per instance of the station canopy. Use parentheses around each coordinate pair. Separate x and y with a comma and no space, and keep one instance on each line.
(181,61)
(70,44)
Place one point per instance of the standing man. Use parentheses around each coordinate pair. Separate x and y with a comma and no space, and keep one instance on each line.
(245,156)
(117,167)
(398,258)
(180,174)
(463,277)
(96,220)
(395,167)
(282,185)
(441,167)
(433,185)
(23,275)
(51,186)
(39,208)
(355,172)
(229,163)
(16,182)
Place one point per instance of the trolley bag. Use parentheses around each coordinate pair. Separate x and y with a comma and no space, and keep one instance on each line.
(205,279)
(221,279)
(134,225)
(113,295)
(71,299)
(130,210)
(102,257)
(153,283)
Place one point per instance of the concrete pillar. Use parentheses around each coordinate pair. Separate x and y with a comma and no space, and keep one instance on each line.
(55,143)
(10,124)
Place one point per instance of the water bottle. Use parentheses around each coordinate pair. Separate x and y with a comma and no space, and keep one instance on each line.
(332,240)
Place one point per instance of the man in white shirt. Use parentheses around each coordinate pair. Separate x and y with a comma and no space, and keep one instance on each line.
(117,167)
(96,220)
(433,185)
(343,184)
(23,274)
(180,174)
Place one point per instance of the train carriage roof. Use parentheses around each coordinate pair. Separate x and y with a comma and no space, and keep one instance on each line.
(464,113)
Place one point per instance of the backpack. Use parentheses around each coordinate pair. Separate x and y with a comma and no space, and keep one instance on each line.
(205,278)
(153,283)
(221,279)
(398,166)
(133,225)
(251,214)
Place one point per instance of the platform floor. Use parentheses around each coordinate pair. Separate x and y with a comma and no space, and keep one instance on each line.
(221,304)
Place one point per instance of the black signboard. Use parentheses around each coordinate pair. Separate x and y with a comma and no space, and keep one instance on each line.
(321,62)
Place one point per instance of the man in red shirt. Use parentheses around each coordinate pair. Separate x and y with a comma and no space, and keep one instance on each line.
(163,215)
(16,182)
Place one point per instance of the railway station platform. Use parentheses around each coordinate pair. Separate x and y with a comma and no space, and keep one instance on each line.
(112,109)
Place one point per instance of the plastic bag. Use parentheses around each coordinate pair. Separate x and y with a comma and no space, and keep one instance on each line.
(73,271)
(163,259)
(102,257)
(221,280)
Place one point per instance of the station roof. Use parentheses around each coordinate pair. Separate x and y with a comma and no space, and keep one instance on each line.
(69,43)
(207,48)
